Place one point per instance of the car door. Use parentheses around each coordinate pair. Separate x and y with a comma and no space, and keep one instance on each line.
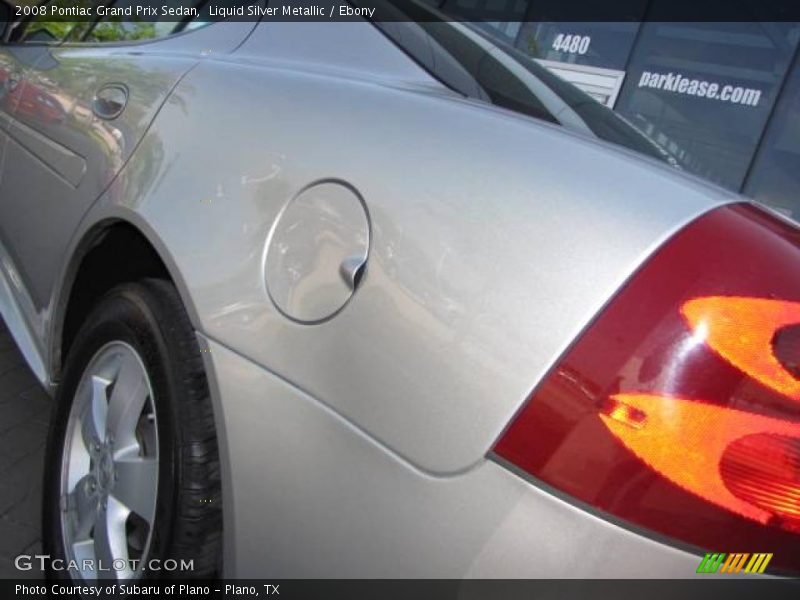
(84,104)
(6,12)
(8,81)
(14,59)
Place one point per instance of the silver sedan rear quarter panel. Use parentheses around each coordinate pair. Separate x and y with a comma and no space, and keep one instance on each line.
(315,497)
(494,241)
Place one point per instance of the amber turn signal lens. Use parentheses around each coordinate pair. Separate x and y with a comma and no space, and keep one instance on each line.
(685,441)
(741,331)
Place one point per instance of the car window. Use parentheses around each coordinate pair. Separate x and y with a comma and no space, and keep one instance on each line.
(480,66)
(34,23)
(108,21)
(121,23)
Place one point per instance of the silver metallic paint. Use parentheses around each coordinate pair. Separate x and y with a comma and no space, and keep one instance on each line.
(36,312)
(327,501)
(452,325)
(495,240)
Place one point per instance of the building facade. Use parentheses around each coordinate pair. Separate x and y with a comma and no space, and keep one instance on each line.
(722,97)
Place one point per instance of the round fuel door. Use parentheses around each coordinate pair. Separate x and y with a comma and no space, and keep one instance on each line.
(318,251)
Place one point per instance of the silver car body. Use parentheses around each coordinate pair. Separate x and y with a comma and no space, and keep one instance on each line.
(355,445)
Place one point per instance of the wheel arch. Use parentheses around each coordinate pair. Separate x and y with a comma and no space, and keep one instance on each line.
(97,264)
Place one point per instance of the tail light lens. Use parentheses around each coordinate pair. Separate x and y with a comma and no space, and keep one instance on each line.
(678,410)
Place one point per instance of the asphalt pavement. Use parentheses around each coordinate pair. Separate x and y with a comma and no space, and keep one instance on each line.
(24,413)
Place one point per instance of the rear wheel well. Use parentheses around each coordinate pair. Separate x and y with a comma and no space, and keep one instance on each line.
(118,254)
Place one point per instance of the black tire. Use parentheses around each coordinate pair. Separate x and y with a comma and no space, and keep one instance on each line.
(149,316)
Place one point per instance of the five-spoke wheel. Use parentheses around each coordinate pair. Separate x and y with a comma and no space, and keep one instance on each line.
(109,475)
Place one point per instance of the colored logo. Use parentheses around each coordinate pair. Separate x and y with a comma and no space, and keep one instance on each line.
(733,563)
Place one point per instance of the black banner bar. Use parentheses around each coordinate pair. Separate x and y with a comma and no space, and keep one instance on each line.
(709,587)
(410,10)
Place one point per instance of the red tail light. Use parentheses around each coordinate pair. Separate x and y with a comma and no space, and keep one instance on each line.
(678,410)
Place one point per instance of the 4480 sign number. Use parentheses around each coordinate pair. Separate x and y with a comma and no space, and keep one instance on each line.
(571,43)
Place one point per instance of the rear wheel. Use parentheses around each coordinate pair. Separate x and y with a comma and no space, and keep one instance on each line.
(132,486)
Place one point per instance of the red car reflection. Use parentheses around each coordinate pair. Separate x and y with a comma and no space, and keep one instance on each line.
(29,101)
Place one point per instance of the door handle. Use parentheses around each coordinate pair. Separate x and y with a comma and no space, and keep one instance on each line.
(110,100)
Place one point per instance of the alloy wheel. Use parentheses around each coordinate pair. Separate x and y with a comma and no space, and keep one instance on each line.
(109,470)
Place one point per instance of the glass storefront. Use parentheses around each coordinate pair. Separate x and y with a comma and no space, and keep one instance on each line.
(704,91)
(597,44)
(722,98)
(775,174)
